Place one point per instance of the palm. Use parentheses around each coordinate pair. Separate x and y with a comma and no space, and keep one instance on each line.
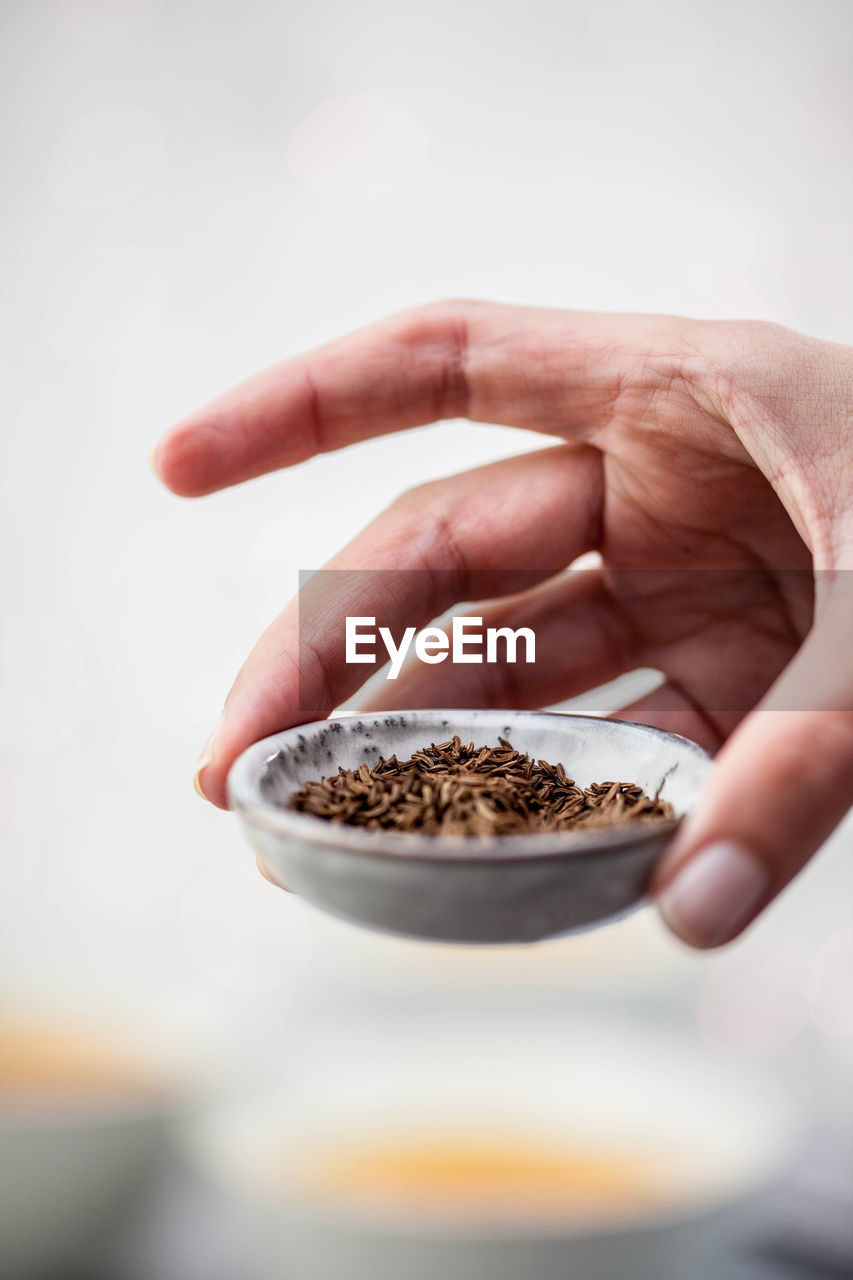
(710,575)
(703,576)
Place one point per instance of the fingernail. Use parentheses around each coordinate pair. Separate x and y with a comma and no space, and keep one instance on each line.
(259,863)
(206,757)
(152,461)
(267,876)
(714,895)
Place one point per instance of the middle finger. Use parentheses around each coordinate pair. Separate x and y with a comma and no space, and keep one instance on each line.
(484,532)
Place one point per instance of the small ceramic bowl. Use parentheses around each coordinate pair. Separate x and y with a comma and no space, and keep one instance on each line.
(505,889)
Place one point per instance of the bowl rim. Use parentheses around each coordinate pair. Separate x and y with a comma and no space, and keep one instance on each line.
(245,798)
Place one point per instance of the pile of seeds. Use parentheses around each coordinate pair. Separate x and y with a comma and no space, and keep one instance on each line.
(453,788)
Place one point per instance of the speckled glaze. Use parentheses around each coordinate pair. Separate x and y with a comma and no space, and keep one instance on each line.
(507,889)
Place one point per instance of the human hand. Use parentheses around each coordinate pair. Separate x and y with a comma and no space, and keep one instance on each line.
(689,448)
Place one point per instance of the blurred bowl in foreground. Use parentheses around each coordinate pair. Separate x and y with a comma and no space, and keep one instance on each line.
(542,1150)
(83,1118)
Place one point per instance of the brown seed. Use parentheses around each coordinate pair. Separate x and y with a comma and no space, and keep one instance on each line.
(453,788)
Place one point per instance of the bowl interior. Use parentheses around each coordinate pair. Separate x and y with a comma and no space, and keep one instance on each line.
(591,749)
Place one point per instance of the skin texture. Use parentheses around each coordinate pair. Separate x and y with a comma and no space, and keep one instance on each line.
(718,454)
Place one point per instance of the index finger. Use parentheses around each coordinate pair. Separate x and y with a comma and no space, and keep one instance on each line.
(484,532)
(547,370)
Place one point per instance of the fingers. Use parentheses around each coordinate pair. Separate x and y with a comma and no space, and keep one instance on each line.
(592,626)
(671,708)
(581,641)
(781,784)
(554,371)
(396,374)
(482,532)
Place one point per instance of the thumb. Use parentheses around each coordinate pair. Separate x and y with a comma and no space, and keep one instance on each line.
(780,785)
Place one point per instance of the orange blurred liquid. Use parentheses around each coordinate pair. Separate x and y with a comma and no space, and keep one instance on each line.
(44,1064)
(473,1173)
